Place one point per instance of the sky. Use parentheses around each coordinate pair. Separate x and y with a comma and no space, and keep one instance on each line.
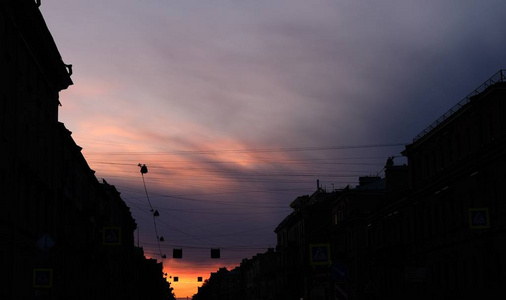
(237,107)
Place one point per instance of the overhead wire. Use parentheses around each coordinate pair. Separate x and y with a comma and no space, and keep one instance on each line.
(202,238)
(155,214)
(259,174)
(252,150)
(144,170)
(210,176)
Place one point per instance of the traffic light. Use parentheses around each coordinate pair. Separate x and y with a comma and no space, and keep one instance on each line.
(177,253)
(215,253)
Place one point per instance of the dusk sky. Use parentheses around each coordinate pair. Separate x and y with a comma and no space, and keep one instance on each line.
(237,107)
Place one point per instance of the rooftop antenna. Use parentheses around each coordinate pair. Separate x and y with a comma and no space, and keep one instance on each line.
(389,163)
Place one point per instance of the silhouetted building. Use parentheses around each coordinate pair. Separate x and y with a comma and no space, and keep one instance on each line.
(455,218)
(445,238)
(152,284)
(350,235)
(259,275)
(306,229)
(64,234)
(253,279)
(216,287)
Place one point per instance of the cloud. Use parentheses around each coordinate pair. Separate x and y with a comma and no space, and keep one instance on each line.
(224,100)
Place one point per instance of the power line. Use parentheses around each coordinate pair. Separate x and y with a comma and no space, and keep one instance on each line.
(155,213)
(253,171)
(252,150)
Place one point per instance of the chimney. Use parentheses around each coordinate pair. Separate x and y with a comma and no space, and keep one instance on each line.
(396,178)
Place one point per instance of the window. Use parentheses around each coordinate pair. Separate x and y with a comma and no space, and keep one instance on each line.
(458,146)
(338,216)
(468,140)
(450,150)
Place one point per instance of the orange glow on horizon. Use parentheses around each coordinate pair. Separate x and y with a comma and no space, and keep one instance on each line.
(187,273)
(177,166)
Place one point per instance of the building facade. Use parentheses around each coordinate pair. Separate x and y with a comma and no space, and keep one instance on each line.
(444,238)
(457,217)
(64,234)
(302,236)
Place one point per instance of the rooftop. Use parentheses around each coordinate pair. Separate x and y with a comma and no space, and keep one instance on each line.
(500,76)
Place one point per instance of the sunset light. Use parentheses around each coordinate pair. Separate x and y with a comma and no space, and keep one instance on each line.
(245,115)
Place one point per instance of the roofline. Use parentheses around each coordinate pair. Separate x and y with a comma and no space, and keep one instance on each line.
(499,76)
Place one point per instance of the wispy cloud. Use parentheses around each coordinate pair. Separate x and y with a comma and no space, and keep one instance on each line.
(184,86)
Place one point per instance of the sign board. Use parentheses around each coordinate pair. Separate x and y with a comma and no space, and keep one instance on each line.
(45,243)
(319,254)
(111,236)
(339,272)
(479,218)
(321,274)
(42,278)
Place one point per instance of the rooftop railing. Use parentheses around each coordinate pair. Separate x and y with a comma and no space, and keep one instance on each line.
(500,76)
